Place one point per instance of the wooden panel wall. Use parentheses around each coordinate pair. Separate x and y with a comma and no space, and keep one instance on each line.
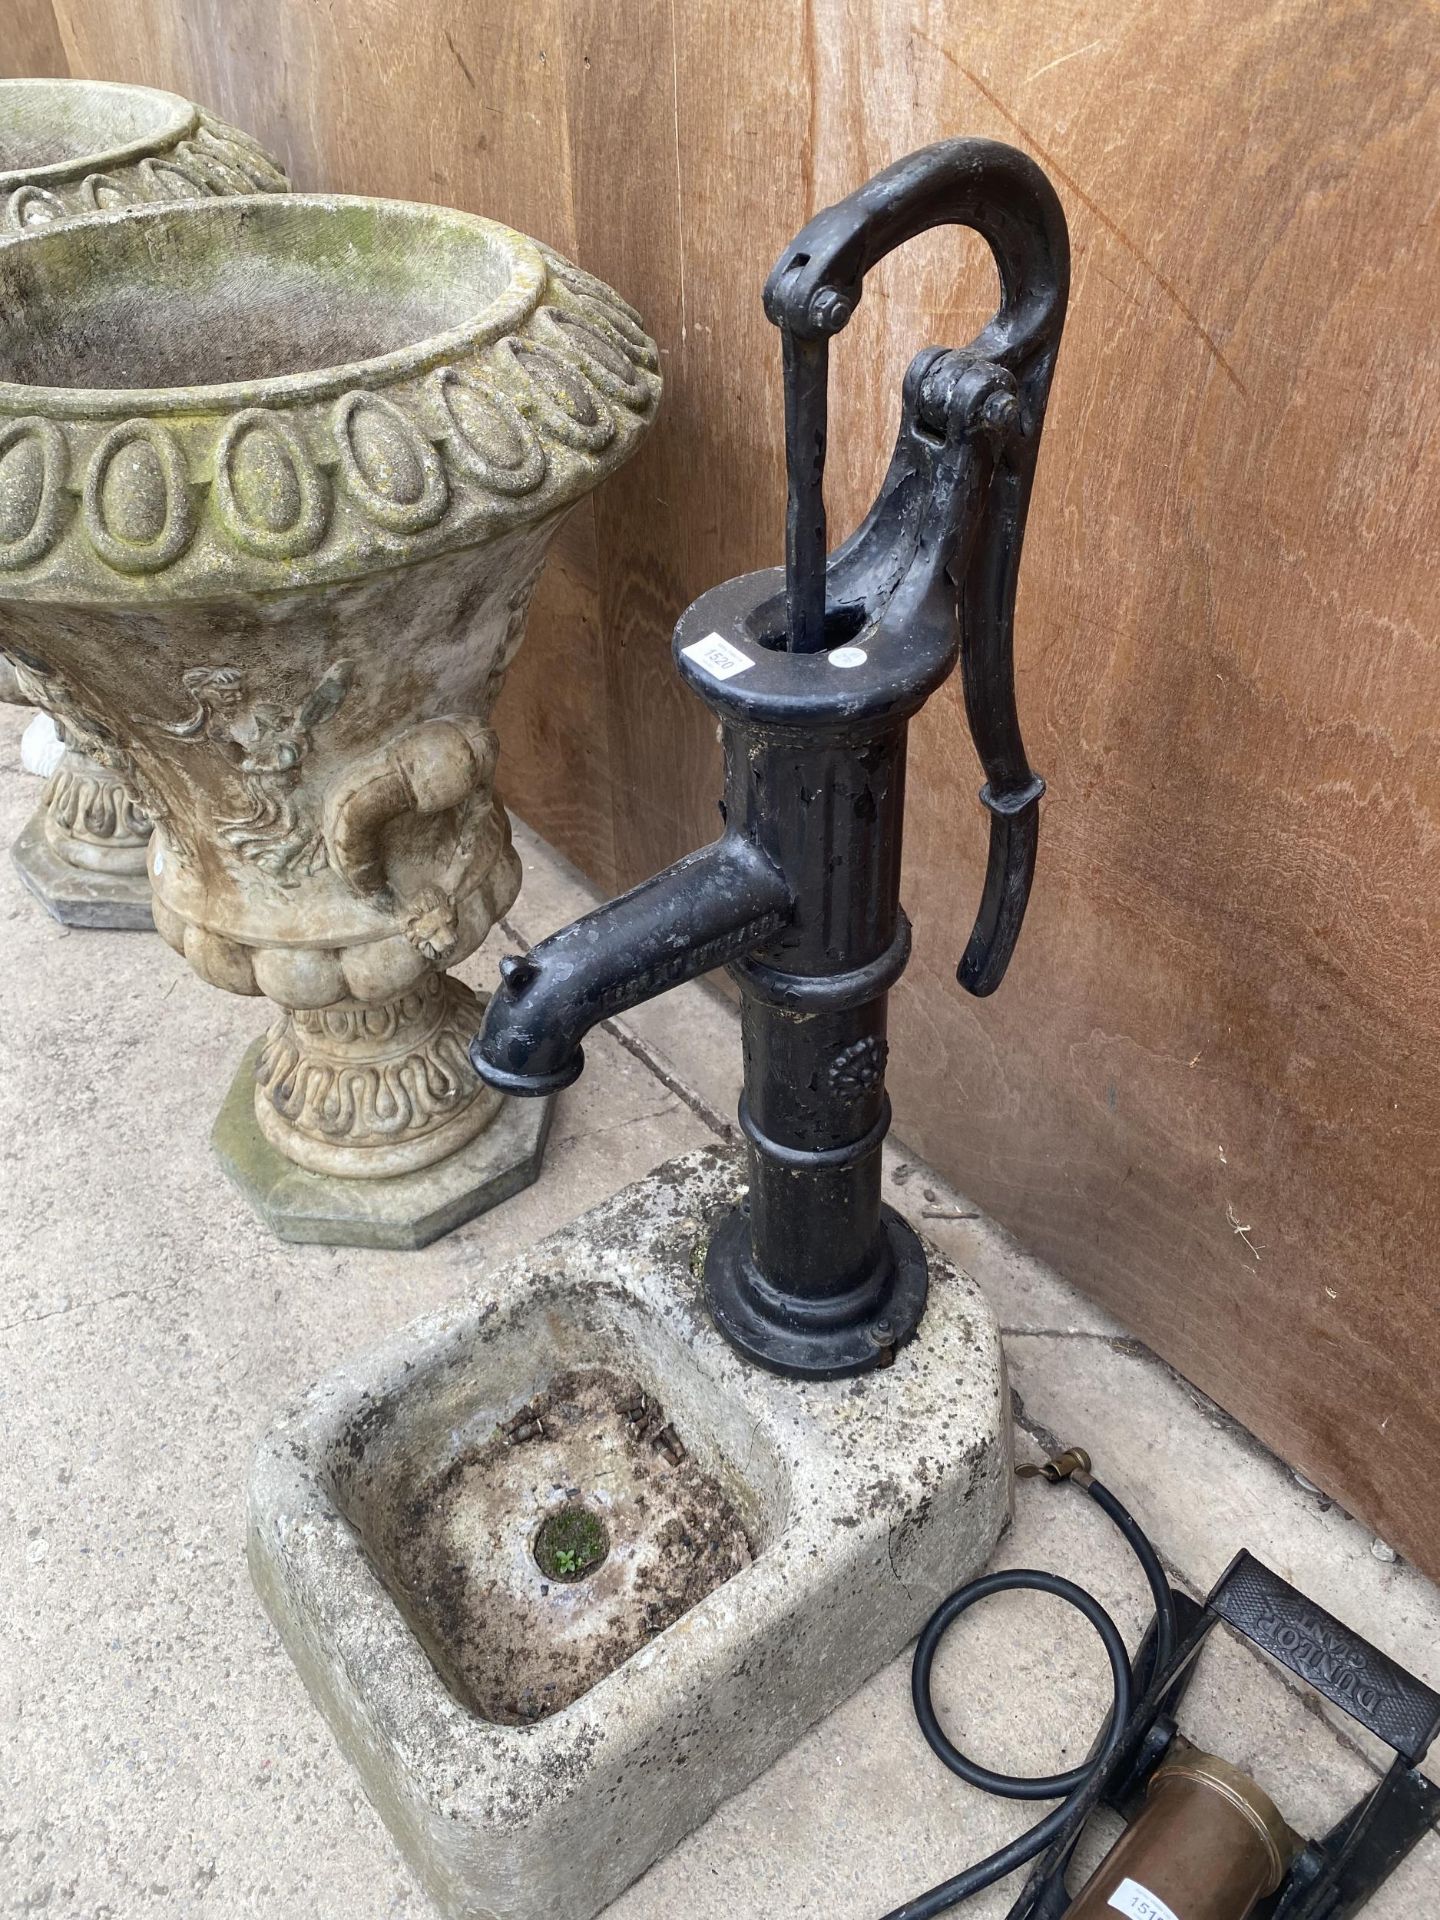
(1208,1088)
(30,44)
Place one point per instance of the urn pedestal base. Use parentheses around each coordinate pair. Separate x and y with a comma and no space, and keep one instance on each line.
(403,1212)
(80,896)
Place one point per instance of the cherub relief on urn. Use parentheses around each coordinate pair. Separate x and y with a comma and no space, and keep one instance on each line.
(69,148)
(277,479)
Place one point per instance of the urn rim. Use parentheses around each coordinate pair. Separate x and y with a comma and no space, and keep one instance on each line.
(176,118)
(402,381)
(501,313)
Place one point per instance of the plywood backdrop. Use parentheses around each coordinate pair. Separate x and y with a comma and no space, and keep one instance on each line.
(1208,1089)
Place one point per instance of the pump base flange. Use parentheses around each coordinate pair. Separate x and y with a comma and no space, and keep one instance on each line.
(784,1333)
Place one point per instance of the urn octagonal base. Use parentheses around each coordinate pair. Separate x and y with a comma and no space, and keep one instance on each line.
(404,1212)
(77,896)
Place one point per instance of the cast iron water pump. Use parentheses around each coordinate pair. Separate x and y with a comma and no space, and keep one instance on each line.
(814,673)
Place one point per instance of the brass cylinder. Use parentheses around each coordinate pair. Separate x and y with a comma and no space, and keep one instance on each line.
(1207,1845)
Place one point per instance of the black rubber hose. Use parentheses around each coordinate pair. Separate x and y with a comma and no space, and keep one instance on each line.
(1007,1786)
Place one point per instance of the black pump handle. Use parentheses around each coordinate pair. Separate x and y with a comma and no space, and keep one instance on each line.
(817,282)
(812,291)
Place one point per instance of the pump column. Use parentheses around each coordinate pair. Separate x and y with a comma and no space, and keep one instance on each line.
(819,1280)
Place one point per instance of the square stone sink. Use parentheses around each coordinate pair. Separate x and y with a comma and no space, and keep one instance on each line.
(562,1571)
(534,1553)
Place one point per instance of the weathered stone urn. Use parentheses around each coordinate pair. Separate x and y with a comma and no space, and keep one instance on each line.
(277,478)
(72,147)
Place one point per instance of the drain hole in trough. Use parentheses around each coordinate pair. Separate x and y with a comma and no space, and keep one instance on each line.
(571,1543)
(535,1555)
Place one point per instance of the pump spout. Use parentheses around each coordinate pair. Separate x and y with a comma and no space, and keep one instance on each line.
(710,908)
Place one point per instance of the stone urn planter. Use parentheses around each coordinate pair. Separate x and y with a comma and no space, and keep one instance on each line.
(277,478)
(68,148)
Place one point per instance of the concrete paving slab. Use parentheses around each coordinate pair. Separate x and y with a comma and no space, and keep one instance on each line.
(158,1754)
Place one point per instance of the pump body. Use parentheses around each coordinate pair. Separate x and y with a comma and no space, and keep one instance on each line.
(813,672)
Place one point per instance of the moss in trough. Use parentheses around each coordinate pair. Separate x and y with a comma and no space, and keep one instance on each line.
(571,1544)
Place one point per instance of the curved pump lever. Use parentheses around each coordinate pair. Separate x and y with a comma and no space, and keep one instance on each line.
(810,295)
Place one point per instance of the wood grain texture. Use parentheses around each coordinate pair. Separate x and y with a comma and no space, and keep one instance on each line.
(1206,1090)
(30,43)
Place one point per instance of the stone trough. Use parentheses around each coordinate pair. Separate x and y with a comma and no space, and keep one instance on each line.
(563,1572)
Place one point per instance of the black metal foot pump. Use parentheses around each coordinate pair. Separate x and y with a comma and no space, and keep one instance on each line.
(814,674)
(1202,1840)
